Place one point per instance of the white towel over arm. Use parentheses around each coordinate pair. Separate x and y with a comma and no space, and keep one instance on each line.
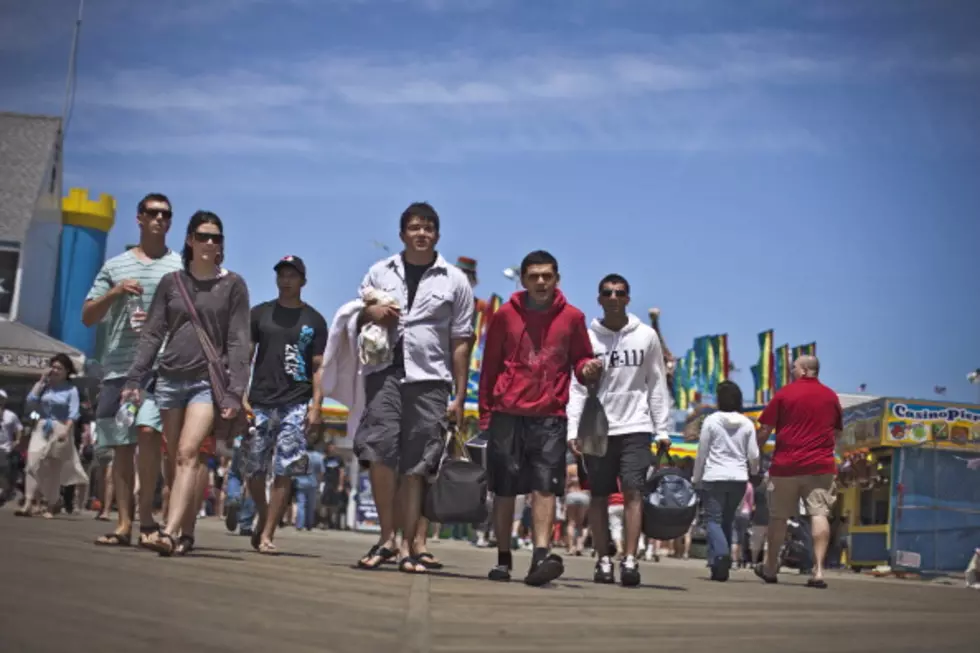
(341,379)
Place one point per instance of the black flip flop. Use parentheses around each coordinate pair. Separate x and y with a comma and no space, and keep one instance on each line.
(817,583)
(428,561)
(411,564)
(146,531)
(114,539)
(382,553)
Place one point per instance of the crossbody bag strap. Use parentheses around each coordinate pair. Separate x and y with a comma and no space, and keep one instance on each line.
(214,361)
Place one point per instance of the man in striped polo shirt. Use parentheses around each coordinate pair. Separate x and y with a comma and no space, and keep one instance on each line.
(119,300)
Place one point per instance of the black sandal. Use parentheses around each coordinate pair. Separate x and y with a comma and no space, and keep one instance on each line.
(114,539)
(412,565)
(165,545)
(185,544)
(146,532)
(382,553)
(428,561)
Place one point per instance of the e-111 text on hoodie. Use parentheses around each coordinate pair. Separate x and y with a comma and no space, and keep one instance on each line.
(633,387)
(727,449)
(529,357)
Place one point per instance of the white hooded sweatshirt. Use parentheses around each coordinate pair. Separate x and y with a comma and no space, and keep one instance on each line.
(727,449)
(633,387)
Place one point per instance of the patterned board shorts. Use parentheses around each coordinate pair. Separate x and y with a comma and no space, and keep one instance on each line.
(279,439)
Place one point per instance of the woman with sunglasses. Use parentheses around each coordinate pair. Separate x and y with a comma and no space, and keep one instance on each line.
(52,460)
(184,391)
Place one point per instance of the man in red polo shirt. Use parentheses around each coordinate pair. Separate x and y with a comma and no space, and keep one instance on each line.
(806,416)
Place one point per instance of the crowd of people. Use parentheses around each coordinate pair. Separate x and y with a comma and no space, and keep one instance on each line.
(201,390)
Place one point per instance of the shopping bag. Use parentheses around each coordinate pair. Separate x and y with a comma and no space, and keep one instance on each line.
(458,493)
(593,426)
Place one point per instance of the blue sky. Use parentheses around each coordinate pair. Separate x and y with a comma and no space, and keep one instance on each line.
(806,167)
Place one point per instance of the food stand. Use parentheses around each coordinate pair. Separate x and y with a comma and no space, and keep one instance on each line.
(910,483)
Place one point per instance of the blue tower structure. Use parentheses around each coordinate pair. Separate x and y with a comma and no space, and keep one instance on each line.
(85,229)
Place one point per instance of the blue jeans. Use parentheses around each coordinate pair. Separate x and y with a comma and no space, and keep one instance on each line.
(719,502)
(235,490)
(305,507)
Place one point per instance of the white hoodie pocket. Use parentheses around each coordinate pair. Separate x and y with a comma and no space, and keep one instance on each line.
(627,411)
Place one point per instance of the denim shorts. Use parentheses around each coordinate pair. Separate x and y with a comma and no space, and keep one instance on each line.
(176,393)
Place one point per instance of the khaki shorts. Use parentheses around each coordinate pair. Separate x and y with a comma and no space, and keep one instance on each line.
(819,493)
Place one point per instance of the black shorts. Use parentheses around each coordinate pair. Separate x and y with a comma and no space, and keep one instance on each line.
(404,424)
(627,459)
(526,454)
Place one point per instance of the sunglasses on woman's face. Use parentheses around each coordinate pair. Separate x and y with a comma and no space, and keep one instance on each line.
(203,237)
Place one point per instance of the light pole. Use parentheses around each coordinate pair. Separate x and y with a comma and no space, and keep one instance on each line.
(974,378)
(514,274)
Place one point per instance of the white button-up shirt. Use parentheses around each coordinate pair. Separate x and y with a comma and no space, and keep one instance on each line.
(441,312)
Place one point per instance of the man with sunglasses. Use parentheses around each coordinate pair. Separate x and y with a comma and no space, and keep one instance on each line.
(633,392)
(118,301)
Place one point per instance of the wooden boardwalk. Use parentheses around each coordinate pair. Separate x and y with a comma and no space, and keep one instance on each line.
(61,594)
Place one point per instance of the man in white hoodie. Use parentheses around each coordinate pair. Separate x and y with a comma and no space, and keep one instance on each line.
(633,392)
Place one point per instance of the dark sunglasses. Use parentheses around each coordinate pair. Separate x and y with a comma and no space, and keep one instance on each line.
(202,237)
(166,214)
(608,292)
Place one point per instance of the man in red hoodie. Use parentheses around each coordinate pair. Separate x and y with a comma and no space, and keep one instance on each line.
(534,344)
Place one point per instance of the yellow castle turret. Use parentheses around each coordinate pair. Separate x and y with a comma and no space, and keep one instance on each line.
(78,210)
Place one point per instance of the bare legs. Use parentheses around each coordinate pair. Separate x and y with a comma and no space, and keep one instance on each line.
(194,423)
(108,494)
(270,512)
(384,485)
(820,527)
(148,459)
(633,516)
(775,538)
(503,521)
(200,488)
(410,498)
(123,478)
(599,524)
(542,518)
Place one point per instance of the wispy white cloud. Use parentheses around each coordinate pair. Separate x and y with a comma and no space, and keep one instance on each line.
(686,94)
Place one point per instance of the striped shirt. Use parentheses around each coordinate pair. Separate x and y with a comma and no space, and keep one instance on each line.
(119,344)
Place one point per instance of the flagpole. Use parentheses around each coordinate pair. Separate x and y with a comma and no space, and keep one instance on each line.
(72,70)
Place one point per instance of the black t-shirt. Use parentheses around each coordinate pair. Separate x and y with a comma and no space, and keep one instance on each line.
(413,276)
(287,340)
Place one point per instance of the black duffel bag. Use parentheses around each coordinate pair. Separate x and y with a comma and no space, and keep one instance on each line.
(670,505)
(458,493)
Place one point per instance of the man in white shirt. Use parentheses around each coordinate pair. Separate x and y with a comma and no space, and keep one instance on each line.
(633,392)
(10,430)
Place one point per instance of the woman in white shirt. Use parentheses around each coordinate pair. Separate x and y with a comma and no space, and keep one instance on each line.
(727,452)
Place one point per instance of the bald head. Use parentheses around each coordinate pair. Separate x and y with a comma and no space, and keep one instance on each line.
(806,367)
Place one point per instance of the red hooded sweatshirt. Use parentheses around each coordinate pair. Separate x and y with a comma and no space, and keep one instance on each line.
(529,356)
